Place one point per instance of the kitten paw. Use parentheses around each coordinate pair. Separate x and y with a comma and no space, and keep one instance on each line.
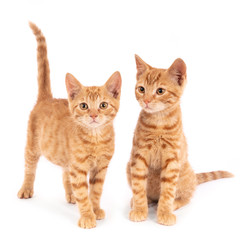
(25,192)
(138,215)
(167,219)
(87,221)
(70,198)
(100,214)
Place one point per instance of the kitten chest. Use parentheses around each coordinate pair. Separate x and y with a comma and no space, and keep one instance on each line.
(155,153)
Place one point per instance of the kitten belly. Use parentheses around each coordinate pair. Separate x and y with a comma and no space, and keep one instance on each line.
(153,184)
(57,159)
(155,155)
(53,146)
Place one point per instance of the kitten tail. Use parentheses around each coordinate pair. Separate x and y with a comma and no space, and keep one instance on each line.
(44,88)
(209,176)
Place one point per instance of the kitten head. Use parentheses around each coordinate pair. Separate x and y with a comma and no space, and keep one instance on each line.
(94,106)
(159,89)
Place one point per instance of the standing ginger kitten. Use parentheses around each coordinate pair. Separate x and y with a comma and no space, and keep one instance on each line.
(158,170)
(76,134)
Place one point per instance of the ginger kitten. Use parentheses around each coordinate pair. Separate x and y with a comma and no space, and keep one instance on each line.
(158,170)
(76,134)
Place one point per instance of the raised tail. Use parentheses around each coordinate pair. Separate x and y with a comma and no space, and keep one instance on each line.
(209,176)
(44,87)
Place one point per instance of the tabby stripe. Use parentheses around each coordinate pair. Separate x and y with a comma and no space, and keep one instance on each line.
(147,125)
(82,160)
(171,127)
(80,185)
(85,141)
(148,78)
(138,156)
(169,194)
(140,177)
(81,200)
(158,76)
(213,175)
(136,192)
(101,169)
(168,179)
(108,157)
(113,107)
(96,193)
(95,180)
(85,205)
(80,171)
(149,146)
(106,141)
(133,164)
(148,140)
(164,145)
(112,115)
(136,184)
(75,107)
(139,169)
(142,196)
(73,174)
(167,161)
(173,93)
(142,129)
(173,171)
(165,197)
(169,143)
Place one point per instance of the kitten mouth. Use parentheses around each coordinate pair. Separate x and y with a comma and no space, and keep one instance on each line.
(147,107)
(94,122)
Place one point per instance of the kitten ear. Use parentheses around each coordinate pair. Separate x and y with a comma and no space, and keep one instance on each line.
(114,84)
(141,66)
(73,85)
(178,71)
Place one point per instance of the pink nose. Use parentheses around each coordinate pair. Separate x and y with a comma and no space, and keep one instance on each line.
(146,101)
(93,116)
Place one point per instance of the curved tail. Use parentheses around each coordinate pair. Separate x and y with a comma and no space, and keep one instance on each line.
(209,176)
(44,87)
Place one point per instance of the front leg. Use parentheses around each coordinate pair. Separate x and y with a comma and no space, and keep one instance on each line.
(139,171)
(169,178)
(80,190)
(96,180)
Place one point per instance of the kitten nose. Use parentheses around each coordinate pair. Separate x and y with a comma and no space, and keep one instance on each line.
(93,116)
(146,101)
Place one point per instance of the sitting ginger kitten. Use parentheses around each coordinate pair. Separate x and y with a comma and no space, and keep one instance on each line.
(76,134)
(158,170)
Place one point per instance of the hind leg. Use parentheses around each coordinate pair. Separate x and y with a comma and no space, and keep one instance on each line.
(31,160)
(180,202)
(129,179)
(185,187)
(32,154)
(68,188)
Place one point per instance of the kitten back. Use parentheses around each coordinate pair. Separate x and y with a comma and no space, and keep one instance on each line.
(44,87)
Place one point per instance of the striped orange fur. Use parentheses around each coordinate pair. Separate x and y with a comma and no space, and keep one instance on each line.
(158,170)
(75,133)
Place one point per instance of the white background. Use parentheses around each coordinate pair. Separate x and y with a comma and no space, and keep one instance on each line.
(91,40)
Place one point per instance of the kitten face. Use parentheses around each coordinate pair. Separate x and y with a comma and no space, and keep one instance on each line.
(159,89)
(93,107)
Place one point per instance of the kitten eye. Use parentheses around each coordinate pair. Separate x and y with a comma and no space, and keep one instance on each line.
(160,91)
(141,89)
(103,105)
(83,106)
